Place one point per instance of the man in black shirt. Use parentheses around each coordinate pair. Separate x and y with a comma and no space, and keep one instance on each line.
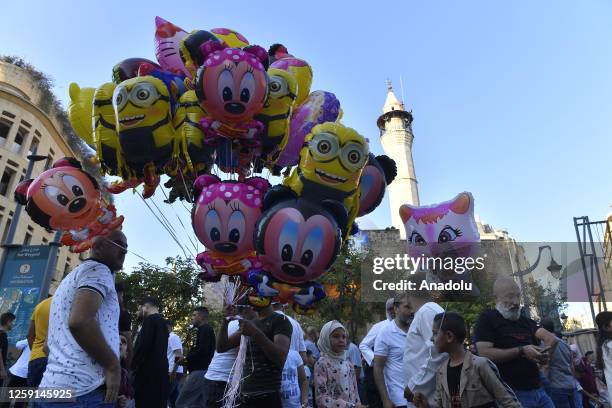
(509,340)
(269,341)
(150,361)
(7,320)
(125,324)
(193,391)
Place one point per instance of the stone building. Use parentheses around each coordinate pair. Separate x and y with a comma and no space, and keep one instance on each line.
(25,126)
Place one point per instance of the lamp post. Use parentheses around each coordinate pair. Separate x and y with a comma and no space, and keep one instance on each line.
(554,268)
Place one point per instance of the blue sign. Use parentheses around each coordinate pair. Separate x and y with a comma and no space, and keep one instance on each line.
(21,284)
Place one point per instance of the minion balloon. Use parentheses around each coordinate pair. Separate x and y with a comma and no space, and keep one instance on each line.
(330,167)
(106,139)
(276,112)
(144,124)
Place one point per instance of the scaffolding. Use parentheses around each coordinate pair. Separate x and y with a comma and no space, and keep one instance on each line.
(595,246)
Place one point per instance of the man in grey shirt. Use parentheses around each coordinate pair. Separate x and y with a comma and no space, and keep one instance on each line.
(560,369)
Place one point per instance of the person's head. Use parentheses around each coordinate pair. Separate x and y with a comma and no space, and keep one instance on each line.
(148,306)
(390,308)
(169,325)
(312,334)
(123,346)
(604,326)
(590,356)
(120,289)
(110,249)
(7,321)
(448,332)
(199,316)
(507,298)
(403,309)
(418,297)
(333,340)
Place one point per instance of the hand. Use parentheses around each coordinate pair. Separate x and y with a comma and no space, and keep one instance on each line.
(112,379)
(3,375)
(247,328)
(387,403)
(532,353)
(229,310)
(122,401)
(420,401)
(408,394)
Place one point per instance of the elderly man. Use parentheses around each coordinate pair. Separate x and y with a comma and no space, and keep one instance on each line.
(510,341)
(83,336)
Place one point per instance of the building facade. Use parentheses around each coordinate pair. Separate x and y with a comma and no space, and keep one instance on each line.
(25,127)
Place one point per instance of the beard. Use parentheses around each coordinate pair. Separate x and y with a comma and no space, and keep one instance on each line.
(508,313)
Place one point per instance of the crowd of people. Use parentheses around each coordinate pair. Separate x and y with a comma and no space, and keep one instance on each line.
(420,356)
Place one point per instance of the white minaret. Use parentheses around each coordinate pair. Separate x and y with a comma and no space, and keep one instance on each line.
(396,136)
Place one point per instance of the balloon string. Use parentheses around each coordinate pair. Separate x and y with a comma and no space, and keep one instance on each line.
(188,233)
(170,225)
(161,222)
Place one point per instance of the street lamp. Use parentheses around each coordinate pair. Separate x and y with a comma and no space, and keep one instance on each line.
(554,268)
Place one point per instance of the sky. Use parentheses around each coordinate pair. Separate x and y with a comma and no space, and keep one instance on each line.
(511,100)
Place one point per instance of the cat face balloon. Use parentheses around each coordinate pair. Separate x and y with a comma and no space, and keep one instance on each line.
(225,213)
(447,229)
(297,240)
(167,46)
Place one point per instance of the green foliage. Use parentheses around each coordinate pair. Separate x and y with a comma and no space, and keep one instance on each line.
(177,286)
(50,105)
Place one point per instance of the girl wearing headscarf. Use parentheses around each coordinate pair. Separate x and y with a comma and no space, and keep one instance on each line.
(334,376)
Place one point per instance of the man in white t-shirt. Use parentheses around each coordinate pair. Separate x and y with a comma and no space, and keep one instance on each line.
(354,356)
(421,360)
(297,335)
(294,384)
(389,355)
(220,368)
(19,370)
(175,371)
(83,336)
(367,351)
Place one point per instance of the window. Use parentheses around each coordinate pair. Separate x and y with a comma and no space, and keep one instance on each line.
(20,137)
(6,180)
(6,230)
(45,241)
(27,239)
(8,114)
(5,128)
(35,143)
(67,268)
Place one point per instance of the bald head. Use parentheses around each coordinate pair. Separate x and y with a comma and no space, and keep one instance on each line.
(110,249)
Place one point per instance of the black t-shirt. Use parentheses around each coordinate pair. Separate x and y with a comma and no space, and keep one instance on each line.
(260,374)
(519,373)
(453,378)
(150,359)
(125,321)
(4,347)
(203,349)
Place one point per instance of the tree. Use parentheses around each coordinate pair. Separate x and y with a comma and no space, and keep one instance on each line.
(344,303)
(547,302)
(177,286)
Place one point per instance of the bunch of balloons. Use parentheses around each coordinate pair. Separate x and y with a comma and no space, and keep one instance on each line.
(215,103)
(66,198)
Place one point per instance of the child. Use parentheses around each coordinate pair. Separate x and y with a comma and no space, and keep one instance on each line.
(334,376)
(464,380)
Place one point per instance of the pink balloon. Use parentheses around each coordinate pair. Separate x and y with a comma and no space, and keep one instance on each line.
(167,44)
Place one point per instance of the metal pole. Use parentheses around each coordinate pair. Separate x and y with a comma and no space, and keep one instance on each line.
(51,264)
(15,220)
(582,260)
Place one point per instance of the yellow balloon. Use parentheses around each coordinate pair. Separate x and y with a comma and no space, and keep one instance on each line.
(330,166)
(106,138)
(232,38)
(80,110)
